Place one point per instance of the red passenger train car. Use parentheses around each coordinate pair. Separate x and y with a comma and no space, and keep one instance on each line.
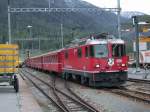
(92,61)
(51,61)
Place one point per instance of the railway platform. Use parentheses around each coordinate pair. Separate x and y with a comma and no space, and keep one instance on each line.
(141,74)
(23,101)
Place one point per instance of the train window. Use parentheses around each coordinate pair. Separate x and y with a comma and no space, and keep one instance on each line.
(66,54)
(91,51)
(86,52)
(99,50)
(56,58)
(118,50)
(79,52)
(49,58)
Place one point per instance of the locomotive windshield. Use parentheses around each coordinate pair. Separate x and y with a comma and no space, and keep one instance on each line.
(118,50)
(99,50)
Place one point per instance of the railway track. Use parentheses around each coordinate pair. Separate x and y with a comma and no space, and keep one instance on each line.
(143,89)
(67,102)
(134,94)
(23,75)
(139,80)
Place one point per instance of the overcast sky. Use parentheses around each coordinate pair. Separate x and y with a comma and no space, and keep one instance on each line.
(126,5)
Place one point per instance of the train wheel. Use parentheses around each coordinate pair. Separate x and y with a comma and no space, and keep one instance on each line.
(83,80)
(16,84)
(66,76)
(87,82)
(91,83)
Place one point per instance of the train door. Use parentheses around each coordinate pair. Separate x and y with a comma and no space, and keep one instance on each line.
(86,58)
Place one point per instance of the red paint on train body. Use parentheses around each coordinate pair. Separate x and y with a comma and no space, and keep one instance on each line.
(97,62)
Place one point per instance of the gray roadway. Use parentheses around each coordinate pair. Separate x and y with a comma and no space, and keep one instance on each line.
(24,101)
(9,100)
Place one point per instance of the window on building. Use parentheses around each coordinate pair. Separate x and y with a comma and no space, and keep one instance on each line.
(148,45)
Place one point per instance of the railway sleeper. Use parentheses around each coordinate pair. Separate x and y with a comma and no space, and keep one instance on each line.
(72,105)
(131,96)
(77,108)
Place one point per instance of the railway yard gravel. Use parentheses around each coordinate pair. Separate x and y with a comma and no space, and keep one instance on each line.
(104,101)
(142,74)
(110,102)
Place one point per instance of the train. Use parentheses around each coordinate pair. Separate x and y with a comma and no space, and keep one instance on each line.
(94,61)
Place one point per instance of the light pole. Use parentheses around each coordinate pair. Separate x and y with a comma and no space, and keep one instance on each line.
(9,23)
(62,35)
(30,35)
(29,27)
(49,4)
(119,11)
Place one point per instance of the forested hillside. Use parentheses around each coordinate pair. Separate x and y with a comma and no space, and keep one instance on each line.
(47,25)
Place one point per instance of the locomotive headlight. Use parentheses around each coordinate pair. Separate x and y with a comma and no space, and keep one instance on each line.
(97,66)
(123,65)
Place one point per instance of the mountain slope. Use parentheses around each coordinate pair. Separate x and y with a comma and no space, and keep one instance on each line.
(129,14)
(48,24)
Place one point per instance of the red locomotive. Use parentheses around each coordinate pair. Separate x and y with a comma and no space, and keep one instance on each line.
(93,61)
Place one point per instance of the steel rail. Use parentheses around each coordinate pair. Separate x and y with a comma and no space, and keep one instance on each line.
(77,96)
(132,94)
(58,98)
(22,76)
(139,92)
(139,80)
(80,102)
(44,93)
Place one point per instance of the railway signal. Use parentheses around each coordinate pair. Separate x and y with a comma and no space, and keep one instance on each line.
(28,53)
(136,25)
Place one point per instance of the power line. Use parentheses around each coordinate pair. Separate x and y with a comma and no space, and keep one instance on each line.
(49,10)
(33,39)
(22,10)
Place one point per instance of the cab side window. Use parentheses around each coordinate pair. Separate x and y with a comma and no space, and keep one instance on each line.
(66,54)
(79,52)
(86,52)
(91,50)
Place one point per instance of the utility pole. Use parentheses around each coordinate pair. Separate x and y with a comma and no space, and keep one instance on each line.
(136,25)
(9,22)
(118,13)
(62,36)
(39,44)
(30,35)
(49,4)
